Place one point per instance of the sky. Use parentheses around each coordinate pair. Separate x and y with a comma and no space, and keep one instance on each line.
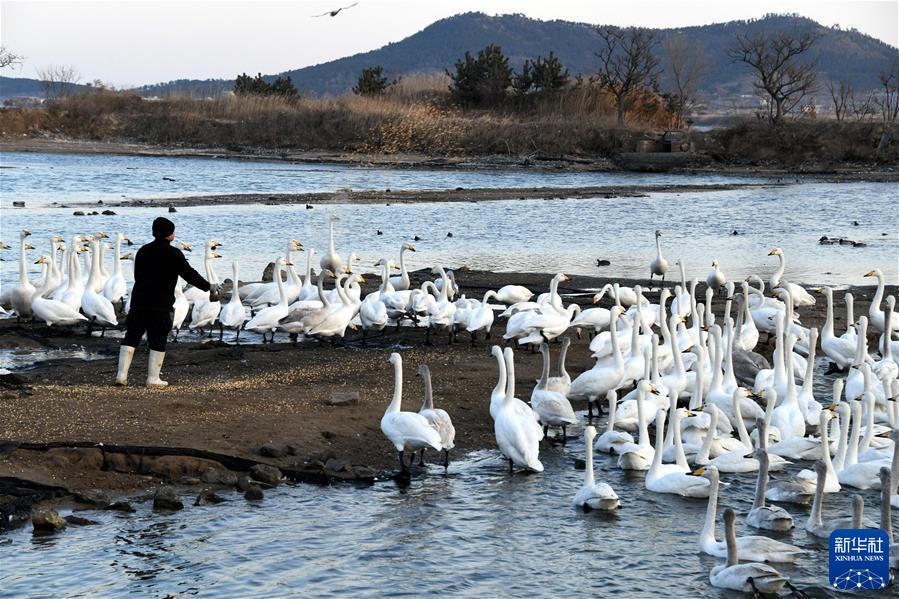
(133,42)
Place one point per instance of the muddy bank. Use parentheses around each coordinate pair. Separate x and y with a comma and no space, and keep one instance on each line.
(320,404)
(824,170)
(389,196)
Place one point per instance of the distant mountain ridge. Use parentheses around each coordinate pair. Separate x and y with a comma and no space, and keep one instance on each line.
(842,54)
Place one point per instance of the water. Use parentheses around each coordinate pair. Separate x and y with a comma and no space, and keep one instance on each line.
(474,532)
(518,235)
(40,179)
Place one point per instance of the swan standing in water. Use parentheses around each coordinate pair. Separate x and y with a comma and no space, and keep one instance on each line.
(673,478)
(754,547)
(751,577)
(331,260)
(233,314)
(517,431)
(659,266)
(611,440)
(552,407)
(593,495)
(438,418)
(408,431)
(761,515)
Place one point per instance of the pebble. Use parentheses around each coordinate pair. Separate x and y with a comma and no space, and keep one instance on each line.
(218,476)
(166,499)
(79,521)
(208,497)
(47,520)
(266,474)
(253,493)
(120,506)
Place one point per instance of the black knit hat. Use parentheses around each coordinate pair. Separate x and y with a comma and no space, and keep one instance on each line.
(162,227)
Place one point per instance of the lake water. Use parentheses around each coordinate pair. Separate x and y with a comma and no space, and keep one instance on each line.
(518,235)
(477,531)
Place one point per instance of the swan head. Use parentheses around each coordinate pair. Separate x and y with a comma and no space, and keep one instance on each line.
(56,239)
(496,351)
(396,359)
(296,245)
(28,246)
(60,248)
(41,260)
(102,235)
(658,233)
(409,247)
(127,256)
(185,247)
(216,255)
(589,434)
(4,245)
(214,245)
(776,252)
(25,233)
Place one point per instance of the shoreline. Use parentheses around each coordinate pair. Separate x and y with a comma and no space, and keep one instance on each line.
(226,402)
(824,171)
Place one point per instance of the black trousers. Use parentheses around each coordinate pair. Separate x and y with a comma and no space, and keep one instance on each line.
(156,324)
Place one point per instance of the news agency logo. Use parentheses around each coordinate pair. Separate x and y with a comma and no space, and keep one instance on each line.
(859,559)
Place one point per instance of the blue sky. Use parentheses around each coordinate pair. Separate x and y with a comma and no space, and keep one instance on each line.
(131,42)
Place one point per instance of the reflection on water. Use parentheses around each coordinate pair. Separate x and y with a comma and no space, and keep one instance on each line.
(18,359)
(475,532)
(40,179)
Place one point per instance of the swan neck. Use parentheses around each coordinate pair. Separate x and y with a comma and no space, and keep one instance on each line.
(708,529)
(501,381)
(730,534)
(658,449)
(428,402)
(396,402)
(761,483)
(588,464)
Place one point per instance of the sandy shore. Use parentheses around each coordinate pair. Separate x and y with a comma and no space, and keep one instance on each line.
(829,172)
(233,399)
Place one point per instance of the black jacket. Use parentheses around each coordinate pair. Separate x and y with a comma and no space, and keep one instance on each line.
(157,267)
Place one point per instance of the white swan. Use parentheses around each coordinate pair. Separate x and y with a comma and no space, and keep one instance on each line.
(21,292)
(339,315)
(875,312)
(408,431)
(331,260)
(611,440)
(115,287)
(401,282)
(861,475)
(639,455)
(179,309)
(439,419)
(751,577)
(233,314)
(752,547)
(562,383)
(840,350)
(800,296)
(52,312)
(266,320)
(515,431)
(715,278)
(671,479)
(659,266)
(593,495)
(552,407)
(481,318)
(513,294)
(604,376)
(95,306)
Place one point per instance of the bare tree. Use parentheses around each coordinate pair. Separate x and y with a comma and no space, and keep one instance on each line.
(686,66)
(862,108)
(8,58)
(781,75)
(58,80)
(887,99)
(841,95)
(627,62)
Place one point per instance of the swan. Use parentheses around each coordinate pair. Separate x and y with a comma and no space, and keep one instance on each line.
(603,377)
(95,306)
(267,320)
(861,475)
(889,346)
(507,378)
(372,311)
(513,294)
(672,479)
(840,350)
(408,431)
(659,266)
(21,292)
(815,524)
(401,282)
(552,407)
(752,547)
(515,431)
(800,296)
(716,278)
(595,319)
(887,368)
(804,448)
(52,312)
(875,312)
(179,309)
(481,318)
(793,490)
(270,294)
(611,440)
(437,418)
(753,577)
(638,456)
(303,315)
(115,287)
(339,315)
(562,383)
(747,333)
(53,279)
(738,461)
(593,495)
(233,314)
(761,515)
(195,294)
(308,291)
(788,417)
(331,260)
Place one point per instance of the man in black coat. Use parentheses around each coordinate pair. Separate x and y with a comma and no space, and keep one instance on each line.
(157,267)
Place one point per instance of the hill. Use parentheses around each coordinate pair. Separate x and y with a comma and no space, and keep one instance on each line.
(842,54)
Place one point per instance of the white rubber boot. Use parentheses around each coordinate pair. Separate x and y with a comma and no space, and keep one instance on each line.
(153,380)
(126,354)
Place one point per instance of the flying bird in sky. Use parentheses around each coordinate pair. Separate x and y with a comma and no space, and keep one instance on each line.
(333,13)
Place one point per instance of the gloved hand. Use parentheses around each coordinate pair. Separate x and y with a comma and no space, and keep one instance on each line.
(215,293)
